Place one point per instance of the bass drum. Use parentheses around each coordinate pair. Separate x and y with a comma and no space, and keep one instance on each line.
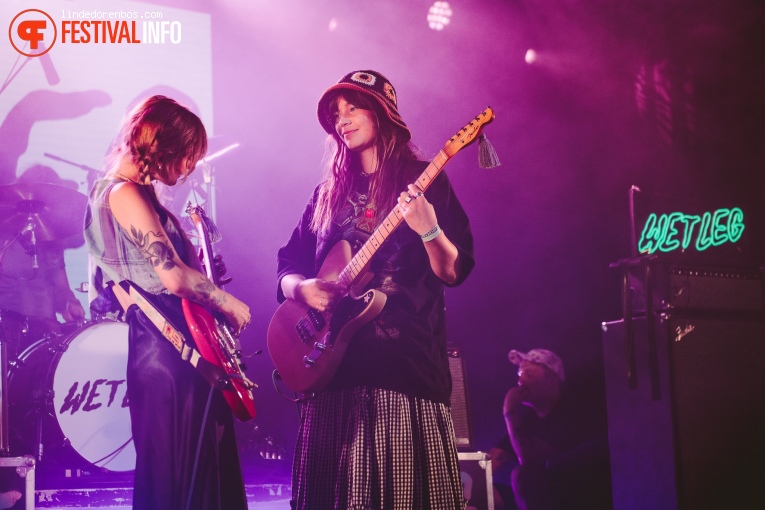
(68,400)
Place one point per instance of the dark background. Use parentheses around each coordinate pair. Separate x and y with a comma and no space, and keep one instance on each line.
(664,95)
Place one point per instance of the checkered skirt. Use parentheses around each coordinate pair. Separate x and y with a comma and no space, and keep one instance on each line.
(367,448)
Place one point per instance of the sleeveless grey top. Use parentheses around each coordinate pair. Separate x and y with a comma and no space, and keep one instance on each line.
(113,254)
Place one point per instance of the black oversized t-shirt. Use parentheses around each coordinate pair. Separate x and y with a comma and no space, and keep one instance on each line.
(404,348)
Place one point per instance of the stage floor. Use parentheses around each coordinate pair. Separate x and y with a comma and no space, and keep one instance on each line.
(267,484)
(259,497)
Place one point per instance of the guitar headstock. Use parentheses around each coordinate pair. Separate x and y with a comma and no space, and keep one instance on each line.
(205,226)
(469,133)
(194,210)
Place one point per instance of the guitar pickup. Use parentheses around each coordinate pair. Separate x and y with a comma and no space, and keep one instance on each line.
(309,325)
(317,319)
(304,331)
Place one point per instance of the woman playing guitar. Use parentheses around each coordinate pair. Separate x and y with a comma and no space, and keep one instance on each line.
(378,433)
(130,236)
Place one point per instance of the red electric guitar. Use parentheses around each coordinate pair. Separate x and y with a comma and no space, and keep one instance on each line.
(212,334)
(306,345)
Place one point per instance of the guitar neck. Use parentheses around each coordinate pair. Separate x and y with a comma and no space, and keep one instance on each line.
(197,215)
(356,268)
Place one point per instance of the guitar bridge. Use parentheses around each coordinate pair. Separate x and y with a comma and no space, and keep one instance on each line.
(318,350)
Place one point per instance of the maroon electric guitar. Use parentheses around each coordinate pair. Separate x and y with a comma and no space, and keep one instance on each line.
(212,334)
(306,345)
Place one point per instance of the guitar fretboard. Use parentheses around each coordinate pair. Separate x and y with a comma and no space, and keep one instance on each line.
(358,264)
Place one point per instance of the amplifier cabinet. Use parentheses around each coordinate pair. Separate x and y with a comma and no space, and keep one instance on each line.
(690,434)
(459,399)
(681,287)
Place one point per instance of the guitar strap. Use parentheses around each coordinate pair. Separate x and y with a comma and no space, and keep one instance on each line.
(128,293)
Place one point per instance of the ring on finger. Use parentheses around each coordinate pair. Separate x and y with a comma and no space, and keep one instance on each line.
(418,194)
(408,199)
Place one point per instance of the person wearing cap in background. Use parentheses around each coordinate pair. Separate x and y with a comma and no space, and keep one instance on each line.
(380,435)
(560,446)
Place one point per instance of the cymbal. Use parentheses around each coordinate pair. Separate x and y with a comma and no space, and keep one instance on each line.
(57,212)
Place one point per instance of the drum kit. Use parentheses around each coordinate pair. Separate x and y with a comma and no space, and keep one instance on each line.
(62,387)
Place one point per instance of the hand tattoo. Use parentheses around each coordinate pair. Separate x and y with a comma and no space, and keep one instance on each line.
(158,252)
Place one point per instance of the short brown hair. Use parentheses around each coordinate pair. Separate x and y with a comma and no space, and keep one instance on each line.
(158,133)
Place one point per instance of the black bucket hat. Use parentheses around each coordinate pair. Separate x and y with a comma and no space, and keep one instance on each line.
(371,83)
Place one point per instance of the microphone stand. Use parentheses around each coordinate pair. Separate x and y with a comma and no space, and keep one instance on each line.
(31,226)
(92,173)
(5,446)
(208,177)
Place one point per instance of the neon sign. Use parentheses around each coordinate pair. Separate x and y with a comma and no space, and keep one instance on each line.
(676,230)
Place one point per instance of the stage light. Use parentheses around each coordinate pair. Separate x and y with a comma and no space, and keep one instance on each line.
(439,15)
(531,56)
(332,25)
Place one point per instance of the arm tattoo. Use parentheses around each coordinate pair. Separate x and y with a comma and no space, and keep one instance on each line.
(158,252)
(202,293)
(205,289)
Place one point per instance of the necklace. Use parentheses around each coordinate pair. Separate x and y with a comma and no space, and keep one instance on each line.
(126,178)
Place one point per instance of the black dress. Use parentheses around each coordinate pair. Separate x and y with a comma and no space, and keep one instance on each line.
(167,404)
(168,398)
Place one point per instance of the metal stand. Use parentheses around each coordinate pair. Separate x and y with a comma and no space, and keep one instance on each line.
(4,443)
(643,265)
(25,465)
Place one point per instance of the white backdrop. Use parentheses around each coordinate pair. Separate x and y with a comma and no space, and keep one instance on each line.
(77,118)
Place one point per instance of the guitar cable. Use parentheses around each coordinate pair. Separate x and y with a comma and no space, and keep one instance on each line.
(297,398)
(199,447)
(112,455)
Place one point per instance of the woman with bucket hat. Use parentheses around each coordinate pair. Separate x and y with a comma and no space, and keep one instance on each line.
(379,434)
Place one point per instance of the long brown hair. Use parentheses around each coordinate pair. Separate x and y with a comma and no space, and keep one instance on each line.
(385,184)
(157,134)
